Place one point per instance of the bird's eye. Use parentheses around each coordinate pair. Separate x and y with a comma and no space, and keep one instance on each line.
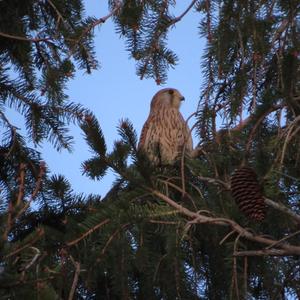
(171,92)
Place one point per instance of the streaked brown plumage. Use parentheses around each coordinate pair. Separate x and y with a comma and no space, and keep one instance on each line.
(165,132)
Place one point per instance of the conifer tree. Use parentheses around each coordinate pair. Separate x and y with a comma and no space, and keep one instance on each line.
(172,232)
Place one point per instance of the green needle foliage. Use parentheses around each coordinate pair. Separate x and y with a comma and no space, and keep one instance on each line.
(161,232)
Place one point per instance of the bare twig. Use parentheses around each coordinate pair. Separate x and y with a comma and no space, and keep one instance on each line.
(283,239)
(35,192)
(283,26)
(184,193)
(234,270)
(56,10)
(289,136)
(245,276)
(25,39)
(158,266)
(264,252)
(215,181)
(164,222)
(11,206)
(227,236)
(40,233)
(9,221)
(34,259)
(179,18)
(94,24)
(75,279)
(71,243)
(283,209)
(269,202)
(201,219)
(110,240)
(21,184)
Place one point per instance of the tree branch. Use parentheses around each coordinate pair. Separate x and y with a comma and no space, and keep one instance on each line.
(75,279)
(71,243)
(40,233)
(201,219)
(269,202)
(283,209)
(110,240)
(35,192)
(264,252)
(96,23)
(177,19)
(25,39)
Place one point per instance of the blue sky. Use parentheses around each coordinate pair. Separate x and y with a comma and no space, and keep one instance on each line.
(115,92)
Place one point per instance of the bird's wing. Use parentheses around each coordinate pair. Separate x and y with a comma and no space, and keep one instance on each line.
(189,142)
(144,132)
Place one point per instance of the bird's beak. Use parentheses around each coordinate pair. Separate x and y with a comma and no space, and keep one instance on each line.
(182,98)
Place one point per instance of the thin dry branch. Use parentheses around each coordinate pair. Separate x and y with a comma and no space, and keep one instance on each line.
(284,239)
(21,179)
(99,21)
(25,39)
(245,276)
(11,206)
(40,233)
(177,188)
(179,18)
(75,279)
(158,33)
(35,192)
(9,221)
(56,10)
(264,252)
(283,209)
(90,231)
(268,201)
(289,135)
(198,150)
(164,222)
(60,17)
(34,259)
(110,240)
(244,233)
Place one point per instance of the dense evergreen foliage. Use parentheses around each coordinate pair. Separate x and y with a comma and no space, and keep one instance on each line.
(167,232)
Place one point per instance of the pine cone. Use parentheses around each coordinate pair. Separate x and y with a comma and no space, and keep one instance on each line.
(247,193)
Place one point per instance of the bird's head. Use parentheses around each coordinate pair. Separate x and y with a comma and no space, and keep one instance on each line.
(167,98)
